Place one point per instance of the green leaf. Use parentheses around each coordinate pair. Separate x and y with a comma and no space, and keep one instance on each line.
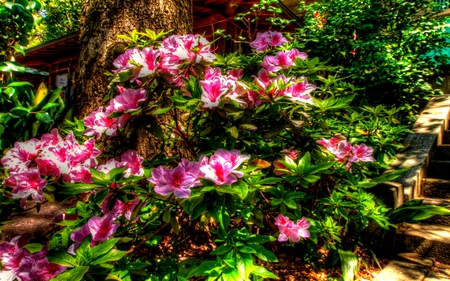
(104,247)
(19,49)
(14,66)
(304,163)
(84,252)
(231,274)
(77,188)
(246,249)
(51,105)
(263,253)
(33,247)
(116,174)
(221,250)
(19,111)
(263,272)
(162,110)
(242,189)
(349,265)
(62,258)
(112,255)
(194,88)
(269,180)
(204,269)
(391,175)
(44,117)
(20,84)
(167,216)
(233,131)
(77,274)
(49,98)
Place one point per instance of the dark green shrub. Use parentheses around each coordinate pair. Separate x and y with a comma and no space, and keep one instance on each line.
(392,49)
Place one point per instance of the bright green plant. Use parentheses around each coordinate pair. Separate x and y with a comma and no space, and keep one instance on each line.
(382,47)
(252,159)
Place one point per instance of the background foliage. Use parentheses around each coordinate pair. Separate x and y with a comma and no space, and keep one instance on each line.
(383,47)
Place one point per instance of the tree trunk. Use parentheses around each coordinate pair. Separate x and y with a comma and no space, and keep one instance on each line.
(101,21)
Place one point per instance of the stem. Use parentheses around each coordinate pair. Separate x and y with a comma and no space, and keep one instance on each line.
(285,117)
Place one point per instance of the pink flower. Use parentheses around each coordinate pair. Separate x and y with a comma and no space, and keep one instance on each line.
(221,167)
(344,150)
(109,165)
(266,39)
(25,184)
(146,61)
(133,163)
(100,229)
(51,139)
(292,231)
(120,208)
(237,73)
(127,100)
(21,155)
(282,60)
(178,181)
(214,87)
(280,168)
(98,123)
(178,49)
(12,253)
(122,61)
(291,152)
(36,267)
(361,153)
(78,174)
(300,91)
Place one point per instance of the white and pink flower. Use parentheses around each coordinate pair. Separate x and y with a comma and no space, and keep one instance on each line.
(290,231)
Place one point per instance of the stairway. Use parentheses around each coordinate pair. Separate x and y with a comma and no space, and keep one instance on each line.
(431,237)
(425,247)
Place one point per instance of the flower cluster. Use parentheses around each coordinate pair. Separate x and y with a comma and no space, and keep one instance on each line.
(345,151)
(272,88)
(51,156)
(99,122)
(168,60)
(280,168)
(282,60)
(33,162)
(221,168)
(24,265)
(268,39)
(292,231)
(100,229)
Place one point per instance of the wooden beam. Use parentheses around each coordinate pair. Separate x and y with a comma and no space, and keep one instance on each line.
(215,18)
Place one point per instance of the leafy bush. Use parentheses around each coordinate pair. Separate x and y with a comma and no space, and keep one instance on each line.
(247,157)
(392,49)
(254,153)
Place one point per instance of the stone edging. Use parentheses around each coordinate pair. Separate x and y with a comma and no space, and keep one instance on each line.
(428,132)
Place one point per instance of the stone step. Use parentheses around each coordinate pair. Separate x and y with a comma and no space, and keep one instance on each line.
(406,267)
(435,188)
(442,152)
(439,169)
(446,137)
(425,239)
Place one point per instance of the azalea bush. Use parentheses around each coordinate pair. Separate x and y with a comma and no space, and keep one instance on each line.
(248,163)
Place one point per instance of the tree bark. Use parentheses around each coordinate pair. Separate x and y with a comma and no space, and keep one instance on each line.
(101,21)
